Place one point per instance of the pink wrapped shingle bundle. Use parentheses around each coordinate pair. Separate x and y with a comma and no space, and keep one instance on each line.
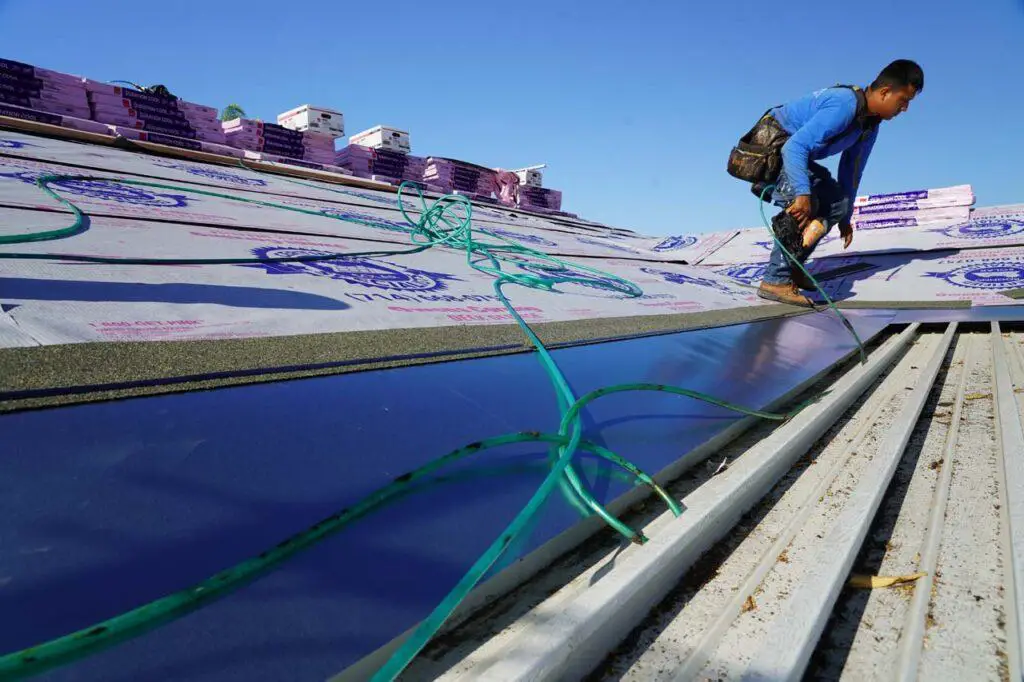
(29,87)
(540,198)
(257,136)
(125,109)
(913,208)
(465,178)
(175,141)
(72,122)
(384,165)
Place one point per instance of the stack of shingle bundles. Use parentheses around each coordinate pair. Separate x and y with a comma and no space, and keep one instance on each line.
(270,138)
(383,165)
(540,199)
(161,119)
(913,208)
(33,94)
(152,112)
(475,181)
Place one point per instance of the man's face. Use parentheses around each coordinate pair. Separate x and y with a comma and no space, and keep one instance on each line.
(893,102)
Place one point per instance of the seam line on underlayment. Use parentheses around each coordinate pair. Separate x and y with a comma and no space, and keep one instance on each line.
(17,326)
(189,223)
(263,230)
(712,252)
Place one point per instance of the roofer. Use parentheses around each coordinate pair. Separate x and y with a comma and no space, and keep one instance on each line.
(782,149)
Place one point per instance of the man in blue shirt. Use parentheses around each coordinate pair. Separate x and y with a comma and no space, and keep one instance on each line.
(841,119)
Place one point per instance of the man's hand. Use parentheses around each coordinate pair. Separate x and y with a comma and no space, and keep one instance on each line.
(801,209)
(846,232)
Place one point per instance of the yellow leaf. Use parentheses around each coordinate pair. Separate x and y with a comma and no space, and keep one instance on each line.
(873,581)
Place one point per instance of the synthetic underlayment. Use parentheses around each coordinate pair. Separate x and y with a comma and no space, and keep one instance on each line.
(111,504)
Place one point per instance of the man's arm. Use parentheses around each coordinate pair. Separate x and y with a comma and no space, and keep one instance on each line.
(835,113)
(851,168)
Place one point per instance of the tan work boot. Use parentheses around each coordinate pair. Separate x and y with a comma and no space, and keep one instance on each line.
(783,293)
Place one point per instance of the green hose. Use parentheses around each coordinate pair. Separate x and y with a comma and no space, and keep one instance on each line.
(447,222)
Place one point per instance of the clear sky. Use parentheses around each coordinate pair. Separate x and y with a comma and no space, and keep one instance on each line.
(634,106)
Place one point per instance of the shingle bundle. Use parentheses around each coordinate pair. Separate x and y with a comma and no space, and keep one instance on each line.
(534,198)
(274,158)
(913,208)
(34,94)
(162,115)
(384,165)
(475,181)
(270,138)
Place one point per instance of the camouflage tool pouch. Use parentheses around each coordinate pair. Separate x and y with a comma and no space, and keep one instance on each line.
(757,157)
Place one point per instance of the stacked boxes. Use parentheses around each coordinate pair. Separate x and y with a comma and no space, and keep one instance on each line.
(916,207)
(383,137)
(30,93)
(381,164)
(307,119)
(275,140)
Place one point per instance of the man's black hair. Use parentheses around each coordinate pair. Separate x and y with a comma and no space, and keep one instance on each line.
(900,74)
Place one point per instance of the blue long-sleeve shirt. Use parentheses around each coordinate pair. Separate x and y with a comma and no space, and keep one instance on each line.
(812,121)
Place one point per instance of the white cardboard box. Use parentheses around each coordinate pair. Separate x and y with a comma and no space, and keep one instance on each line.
(314,120)
(531,177)
(383,137)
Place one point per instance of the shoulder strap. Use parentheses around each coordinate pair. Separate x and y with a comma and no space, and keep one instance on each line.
(861,119)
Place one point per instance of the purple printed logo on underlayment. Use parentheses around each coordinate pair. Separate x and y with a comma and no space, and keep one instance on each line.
(560,273)
(214,174)
(14,144)
(748,273)
(106,190)
(365,219)
(531,239)
(984,228)
(680,278)
(380,199)
(994,274)
(606,245)
(364,272)
(674,243)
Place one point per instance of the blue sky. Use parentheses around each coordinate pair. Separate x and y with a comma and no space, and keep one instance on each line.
(634,106)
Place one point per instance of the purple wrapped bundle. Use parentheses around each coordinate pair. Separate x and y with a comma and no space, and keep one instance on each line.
(29,114)
(266,130)
(913,218)
(11,68)
(130,122)
(963,194)
(540,197)
(62,95)
(336,169)
(274,158)
(209,113)
(104,92)
(129,116)
(175,141)
(44,105)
